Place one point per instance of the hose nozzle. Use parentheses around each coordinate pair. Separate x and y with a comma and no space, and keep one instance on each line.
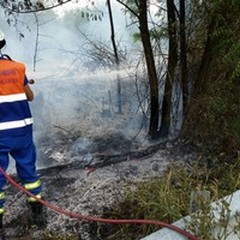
(31,81)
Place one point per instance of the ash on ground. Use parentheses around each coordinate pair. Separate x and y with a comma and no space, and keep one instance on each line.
(89,188)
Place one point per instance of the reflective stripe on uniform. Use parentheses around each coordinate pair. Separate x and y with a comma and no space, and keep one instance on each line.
(13,98)
(16,124)
(31,186)
(2,195)
(2,210)
(31,199)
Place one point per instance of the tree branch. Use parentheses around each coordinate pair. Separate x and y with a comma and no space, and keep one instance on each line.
(38,9)
(128,8)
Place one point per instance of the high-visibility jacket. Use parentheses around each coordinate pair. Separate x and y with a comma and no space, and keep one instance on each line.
(15,114)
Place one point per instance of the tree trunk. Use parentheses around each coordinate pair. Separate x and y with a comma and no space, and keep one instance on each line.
(183,55)
(172,63)
(119,88)
(205,66)
(152,74)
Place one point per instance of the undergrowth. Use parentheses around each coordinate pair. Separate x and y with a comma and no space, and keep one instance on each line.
(53,236)
(168,198)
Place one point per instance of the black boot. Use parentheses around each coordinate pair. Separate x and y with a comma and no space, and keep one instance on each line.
(38,215)
(2,232)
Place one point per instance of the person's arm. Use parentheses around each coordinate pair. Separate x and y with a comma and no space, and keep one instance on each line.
(29,92)
(27,89)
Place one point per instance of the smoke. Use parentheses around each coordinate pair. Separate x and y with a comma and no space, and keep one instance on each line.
(72,113)
(73,106)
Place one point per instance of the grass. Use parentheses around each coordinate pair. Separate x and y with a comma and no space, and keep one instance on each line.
(167,199)
(53,236)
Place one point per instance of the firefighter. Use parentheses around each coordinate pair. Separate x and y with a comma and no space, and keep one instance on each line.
(16,138)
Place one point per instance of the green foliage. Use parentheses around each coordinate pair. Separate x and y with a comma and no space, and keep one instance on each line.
(213,117)
(91,15)
(77,16)
(30,5)
(132,7)
(156,35)
(213,122)
(136,37)
(226,35)
(232,58)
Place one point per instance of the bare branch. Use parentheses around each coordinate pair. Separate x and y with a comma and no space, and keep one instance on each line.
(128,8)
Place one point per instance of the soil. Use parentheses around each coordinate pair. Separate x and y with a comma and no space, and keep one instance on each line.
(89,187)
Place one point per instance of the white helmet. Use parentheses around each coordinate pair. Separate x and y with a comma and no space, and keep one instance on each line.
(2,39)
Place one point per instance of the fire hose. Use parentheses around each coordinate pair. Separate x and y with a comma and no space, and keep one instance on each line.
(96,219)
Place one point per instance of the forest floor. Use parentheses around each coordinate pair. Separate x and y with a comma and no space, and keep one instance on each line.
(90,188)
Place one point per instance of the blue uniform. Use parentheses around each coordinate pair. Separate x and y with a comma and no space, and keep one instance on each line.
(16,128)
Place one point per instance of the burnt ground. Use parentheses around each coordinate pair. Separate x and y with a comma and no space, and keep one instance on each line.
(90,186)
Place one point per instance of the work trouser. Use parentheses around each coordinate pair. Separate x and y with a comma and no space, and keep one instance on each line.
(22,150)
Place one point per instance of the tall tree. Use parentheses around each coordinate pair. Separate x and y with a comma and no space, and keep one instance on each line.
(171,69)
(140,11)
(151,67)
(115,54)
(183,53)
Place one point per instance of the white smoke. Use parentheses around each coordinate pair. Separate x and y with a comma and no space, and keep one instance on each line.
(68,98)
